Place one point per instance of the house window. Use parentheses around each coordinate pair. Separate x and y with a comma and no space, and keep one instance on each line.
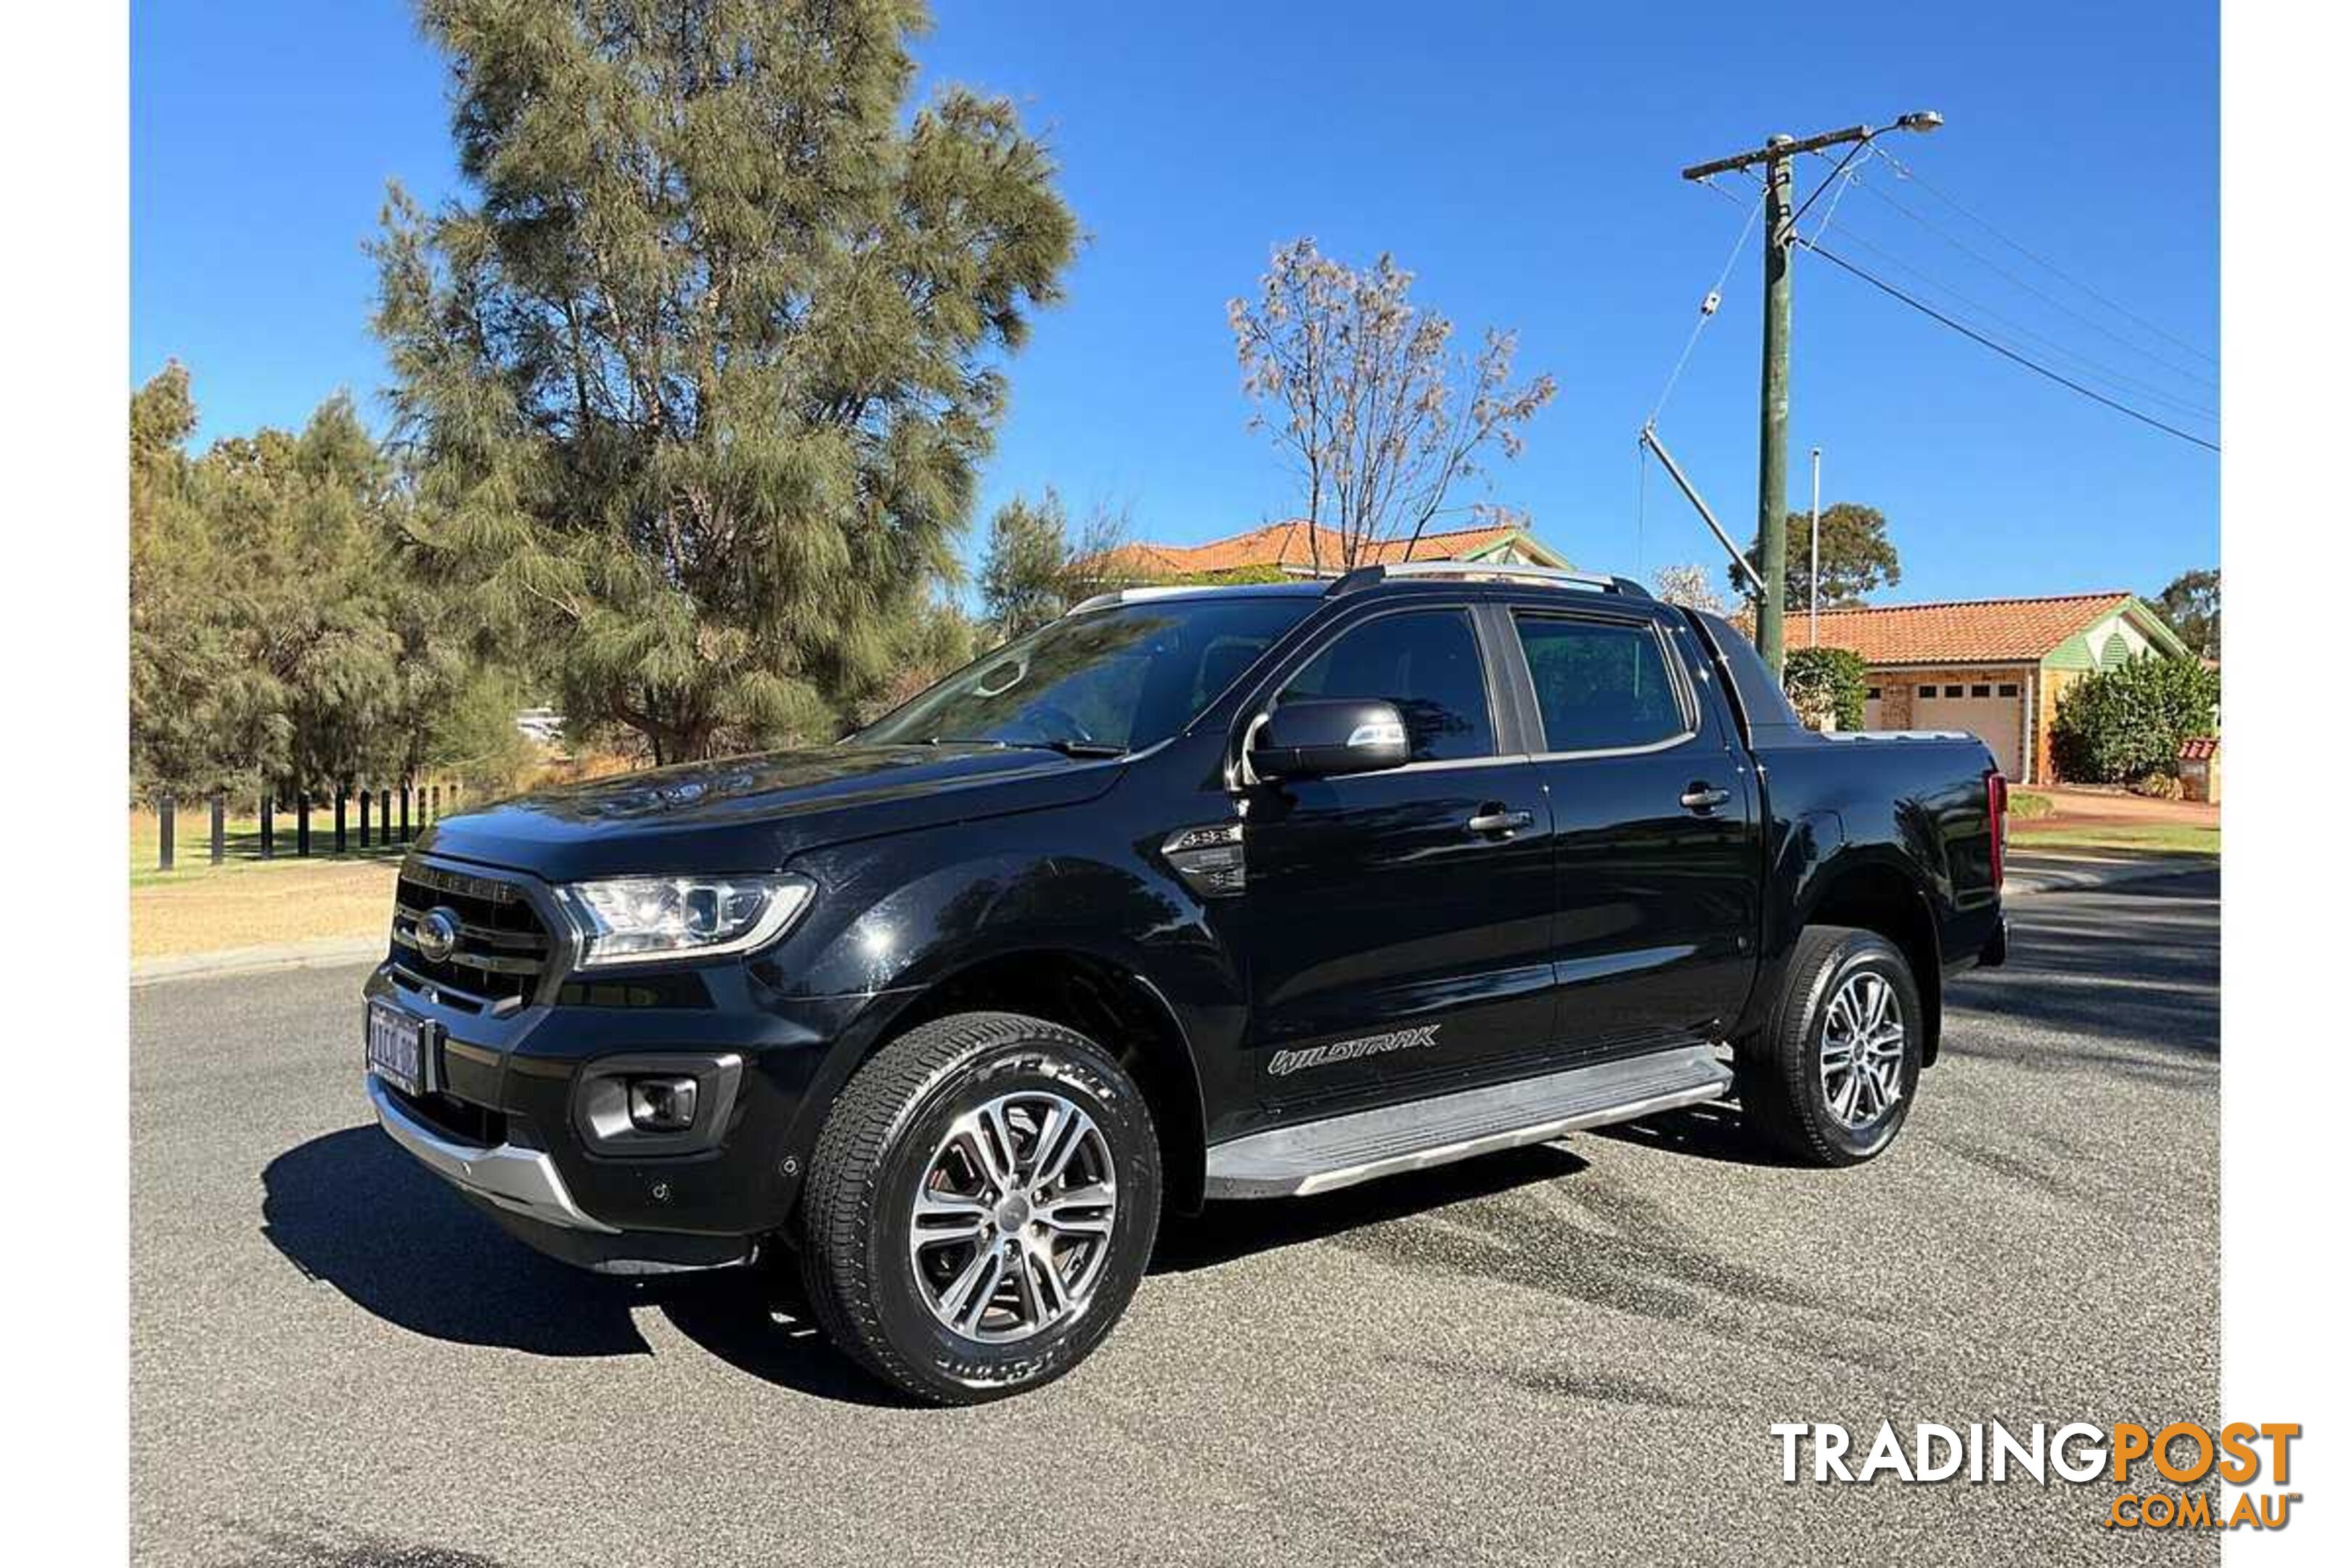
(1979,690)
(1951,691)
(2009,688)
(1870,694)
(1926,691)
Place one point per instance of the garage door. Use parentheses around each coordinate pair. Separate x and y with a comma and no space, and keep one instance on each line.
(1994,712)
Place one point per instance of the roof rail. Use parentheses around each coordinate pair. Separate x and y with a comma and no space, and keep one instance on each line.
(1501,571)
(1131,597)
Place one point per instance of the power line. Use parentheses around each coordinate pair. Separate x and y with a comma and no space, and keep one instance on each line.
(2196,376)
(1846,177)
(2004,350)
(1908,175)
(1806,206)
(1641,508)
(2103,373)
(1707,308)
(2092,367)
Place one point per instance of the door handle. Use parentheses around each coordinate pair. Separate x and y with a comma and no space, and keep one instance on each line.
(1703,797)
(1494,819)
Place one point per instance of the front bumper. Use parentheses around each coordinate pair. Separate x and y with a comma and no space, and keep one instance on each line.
(511,1119)
(519,1180)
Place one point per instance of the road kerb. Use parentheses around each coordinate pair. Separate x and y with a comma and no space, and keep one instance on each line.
(319,953)
(2028,872)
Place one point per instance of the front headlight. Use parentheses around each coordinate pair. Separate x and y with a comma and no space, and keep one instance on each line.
(646,919)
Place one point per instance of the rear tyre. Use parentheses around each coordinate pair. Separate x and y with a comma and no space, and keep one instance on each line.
(980,1206)
(1830,1078)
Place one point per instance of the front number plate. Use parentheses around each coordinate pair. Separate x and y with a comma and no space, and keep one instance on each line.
(397,1048)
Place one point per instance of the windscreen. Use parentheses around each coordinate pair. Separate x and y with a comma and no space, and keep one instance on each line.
(1119,679)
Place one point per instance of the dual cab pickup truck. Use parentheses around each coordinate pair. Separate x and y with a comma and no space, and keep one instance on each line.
(1192,895)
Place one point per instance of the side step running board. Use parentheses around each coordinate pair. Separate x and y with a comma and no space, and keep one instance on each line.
(1340,1151)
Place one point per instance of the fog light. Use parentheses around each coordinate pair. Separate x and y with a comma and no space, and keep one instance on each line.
(661,1104)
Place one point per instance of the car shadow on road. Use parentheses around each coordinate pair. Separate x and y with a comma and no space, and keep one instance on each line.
(1225,1232)
(351,1210)
(1715,1130)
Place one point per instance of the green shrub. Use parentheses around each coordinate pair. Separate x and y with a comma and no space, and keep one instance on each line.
(2128,722)
(1824,681)
(2028,806)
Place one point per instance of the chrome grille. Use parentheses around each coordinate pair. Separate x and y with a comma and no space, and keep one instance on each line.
(502,948)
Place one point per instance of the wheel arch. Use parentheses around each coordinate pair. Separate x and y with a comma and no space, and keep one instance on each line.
(1112,1004)
(1874,896)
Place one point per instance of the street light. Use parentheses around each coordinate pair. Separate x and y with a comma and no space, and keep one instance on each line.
(1920,120)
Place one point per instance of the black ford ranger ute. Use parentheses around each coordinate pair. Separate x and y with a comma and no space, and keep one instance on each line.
(1192,895)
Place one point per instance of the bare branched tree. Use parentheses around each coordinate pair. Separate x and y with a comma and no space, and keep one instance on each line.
(1379,413)
(1689,584)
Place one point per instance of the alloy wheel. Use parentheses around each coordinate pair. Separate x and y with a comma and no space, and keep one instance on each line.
(1011,1222)
(1862,1050)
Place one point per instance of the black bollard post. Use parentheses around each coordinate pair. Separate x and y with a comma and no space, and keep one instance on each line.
(167,829)
(403,813)
(302,825)
(220,827)
(268,829)
(383,815)
(364,798)
(342,834)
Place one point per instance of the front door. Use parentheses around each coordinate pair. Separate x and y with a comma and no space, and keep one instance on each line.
(1654,829)
(1399,921)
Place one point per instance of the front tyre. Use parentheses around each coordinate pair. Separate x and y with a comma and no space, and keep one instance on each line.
(980,1206)
(1830,1078)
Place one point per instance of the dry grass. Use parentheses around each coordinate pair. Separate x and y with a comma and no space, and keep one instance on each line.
(263,906)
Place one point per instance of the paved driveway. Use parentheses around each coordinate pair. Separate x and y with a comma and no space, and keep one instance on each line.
(1567,1354)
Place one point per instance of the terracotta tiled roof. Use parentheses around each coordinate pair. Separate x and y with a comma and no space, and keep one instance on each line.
(1968,631)
(1287,544)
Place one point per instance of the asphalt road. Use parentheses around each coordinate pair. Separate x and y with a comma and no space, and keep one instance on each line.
(1568,1354)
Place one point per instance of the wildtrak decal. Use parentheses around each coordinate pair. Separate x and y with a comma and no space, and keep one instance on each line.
(1412,1040)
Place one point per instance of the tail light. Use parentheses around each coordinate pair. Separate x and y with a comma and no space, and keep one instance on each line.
(1997,809)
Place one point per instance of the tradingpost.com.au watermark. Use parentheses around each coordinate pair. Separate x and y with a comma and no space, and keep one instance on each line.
(2167,1472)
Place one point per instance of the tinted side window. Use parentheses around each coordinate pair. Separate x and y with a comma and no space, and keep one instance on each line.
(1600,686)
(1424,661)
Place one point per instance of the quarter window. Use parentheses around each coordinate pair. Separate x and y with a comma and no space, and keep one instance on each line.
(2007,689)
(1600,686)
(1979,690)
(1951,691)
(1424,661)
(1926,691)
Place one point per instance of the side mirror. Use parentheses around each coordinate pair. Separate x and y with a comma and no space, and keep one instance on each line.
(1316,738)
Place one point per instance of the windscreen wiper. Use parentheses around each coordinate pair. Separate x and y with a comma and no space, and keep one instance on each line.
(1069,748)
(1088,748)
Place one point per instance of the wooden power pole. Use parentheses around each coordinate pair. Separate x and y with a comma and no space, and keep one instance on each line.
(1772,437)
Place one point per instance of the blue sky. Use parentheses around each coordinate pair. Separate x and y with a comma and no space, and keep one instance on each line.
(1521,160)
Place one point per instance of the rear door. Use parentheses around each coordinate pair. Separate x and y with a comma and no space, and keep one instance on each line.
(1400,923)
(1656,842)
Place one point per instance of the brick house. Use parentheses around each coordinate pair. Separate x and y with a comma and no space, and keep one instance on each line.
(1300,549)
(1993,666)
